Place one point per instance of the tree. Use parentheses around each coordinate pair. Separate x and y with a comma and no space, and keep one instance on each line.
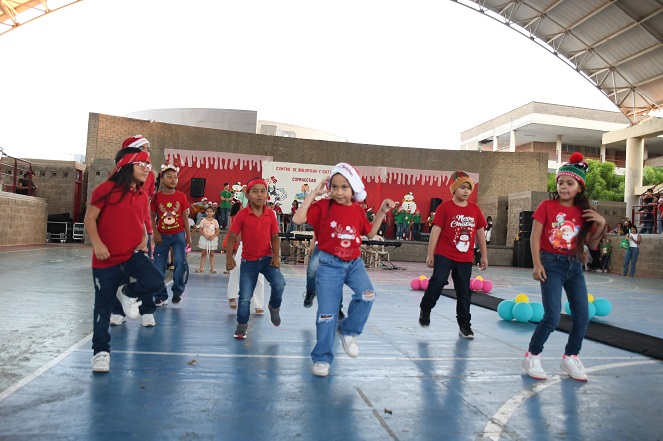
(603,184)
(652,176)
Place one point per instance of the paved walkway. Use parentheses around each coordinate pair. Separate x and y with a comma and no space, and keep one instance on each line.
(188,379)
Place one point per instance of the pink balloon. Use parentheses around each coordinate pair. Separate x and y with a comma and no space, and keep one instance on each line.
(415,284)
(487,286)
(476,285)
(424,284)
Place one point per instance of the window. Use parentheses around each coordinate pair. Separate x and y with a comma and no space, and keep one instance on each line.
(42,174)
(65,175)
(593,151)
(98,173)
(570,148)
(54,175)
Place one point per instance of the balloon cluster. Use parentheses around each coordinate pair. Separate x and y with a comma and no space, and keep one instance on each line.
(481,285)
(597,307)
(521,309)
(420,283)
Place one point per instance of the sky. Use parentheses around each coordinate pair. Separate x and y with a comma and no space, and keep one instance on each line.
(412,74)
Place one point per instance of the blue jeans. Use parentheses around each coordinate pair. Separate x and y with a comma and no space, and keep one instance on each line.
(415,231)
(148,306)
(399,231)
(647,224)
(461,272)
(311,269)
(147,280)
(178,243)
(248,277)
(224,215)
(332,274)
(562,271)
(631,257)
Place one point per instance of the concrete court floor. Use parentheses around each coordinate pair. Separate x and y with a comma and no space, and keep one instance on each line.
(188,379)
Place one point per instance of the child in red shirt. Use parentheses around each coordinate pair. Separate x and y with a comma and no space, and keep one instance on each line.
(260,254)
(115,222)
(456,225)
(170,212)
(339,222)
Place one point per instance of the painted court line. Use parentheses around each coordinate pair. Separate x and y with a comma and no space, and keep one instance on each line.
(493,430)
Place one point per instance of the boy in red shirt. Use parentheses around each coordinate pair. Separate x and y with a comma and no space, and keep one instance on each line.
(457,223)
(261,254)
(115,222)
(170,212)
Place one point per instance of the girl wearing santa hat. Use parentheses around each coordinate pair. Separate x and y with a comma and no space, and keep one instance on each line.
(561,228)
(339,222)
(115,223)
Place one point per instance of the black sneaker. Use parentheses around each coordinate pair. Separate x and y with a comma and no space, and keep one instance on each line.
(240,332)
(466,332)
(424,317)
(341,315)
(177,299)
(308,298)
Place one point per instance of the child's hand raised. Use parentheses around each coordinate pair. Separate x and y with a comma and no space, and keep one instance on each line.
(387,205)
(321,188)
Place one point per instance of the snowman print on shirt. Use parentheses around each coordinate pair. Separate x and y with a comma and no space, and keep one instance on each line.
(463,241)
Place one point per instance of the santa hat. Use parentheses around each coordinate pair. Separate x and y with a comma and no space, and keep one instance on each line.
(349,173)
(459,178)
(576,168)
(135,141)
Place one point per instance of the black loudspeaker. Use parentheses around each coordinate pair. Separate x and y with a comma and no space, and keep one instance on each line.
(434,203)
(425,237)
(525,224)
(522,254)
(197,187)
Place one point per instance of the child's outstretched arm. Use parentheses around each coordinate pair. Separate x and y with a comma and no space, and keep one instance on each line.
(539,273)
(90,221)
(387,205)
(300,216)
(481,238)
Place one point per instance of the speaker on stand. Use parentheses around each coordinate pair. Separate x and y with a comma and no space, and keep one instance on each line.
(197,187)
(434,203)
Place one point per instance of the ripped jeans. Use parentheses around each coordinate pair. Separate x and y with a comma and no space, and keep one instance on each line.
(332,274)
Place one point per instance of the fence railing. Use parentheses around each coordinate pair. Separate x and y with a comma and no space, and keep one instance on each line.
(11,170)
(648,218)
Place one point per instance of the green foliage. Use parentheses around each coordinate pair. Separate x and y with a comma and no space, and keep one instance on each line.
(602,182)
(652,175)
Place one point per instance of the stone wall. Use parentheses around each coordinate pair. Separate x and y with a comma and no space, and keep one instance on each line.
(106,133)
(517,202)
(649,260)
(22,219)
(498,208)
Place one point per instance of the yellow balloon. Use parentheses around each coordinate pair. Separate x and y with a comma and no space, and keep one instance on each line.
(522,298)
(479,278)
(422,277)
(590,298)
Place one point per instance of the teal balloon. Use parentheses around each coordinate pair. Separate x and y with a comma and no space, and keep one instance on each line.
(591,309)
(537,312)
(522,312)
(567,307)
(603,307)
(505,309)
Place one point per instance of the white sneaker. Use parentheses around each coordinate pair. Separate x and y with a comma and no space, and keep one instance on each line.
(129,304)
(350,345)
(532,365)
(117,319)
(147,320)
(321,369)
(101,362)
(572,365)
(161,302)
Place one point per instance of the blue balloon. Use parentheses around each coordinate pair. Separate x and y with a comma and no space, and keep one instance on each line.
(522,312)
(537,314)
(591,309)
(505,309)
(603,307)
(567,307)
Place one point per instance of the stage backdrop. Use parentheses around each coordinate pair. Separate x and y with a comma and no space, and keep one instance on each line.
(288,181)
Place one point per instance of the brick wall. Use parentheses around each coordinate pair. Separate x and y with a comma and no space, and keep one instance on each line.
(497,207)
(517,202)
(22,219)
(106,133)
(649,260)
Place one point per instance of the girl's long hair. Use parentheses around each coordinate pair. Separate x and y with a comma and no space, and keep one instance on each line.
(581,200)
(123,178)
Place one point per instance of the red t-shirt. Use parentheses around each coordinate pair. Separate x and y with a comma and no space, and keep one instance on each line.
(459,226)
(121,222)
(338,228)
(170,208)
(561,226)
(256,232)
(148,188)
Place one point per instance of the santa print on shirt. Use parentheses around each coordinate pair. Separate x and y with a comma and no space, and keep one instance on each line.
(561,226)
(170,207)
(338,228)
(459,226)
